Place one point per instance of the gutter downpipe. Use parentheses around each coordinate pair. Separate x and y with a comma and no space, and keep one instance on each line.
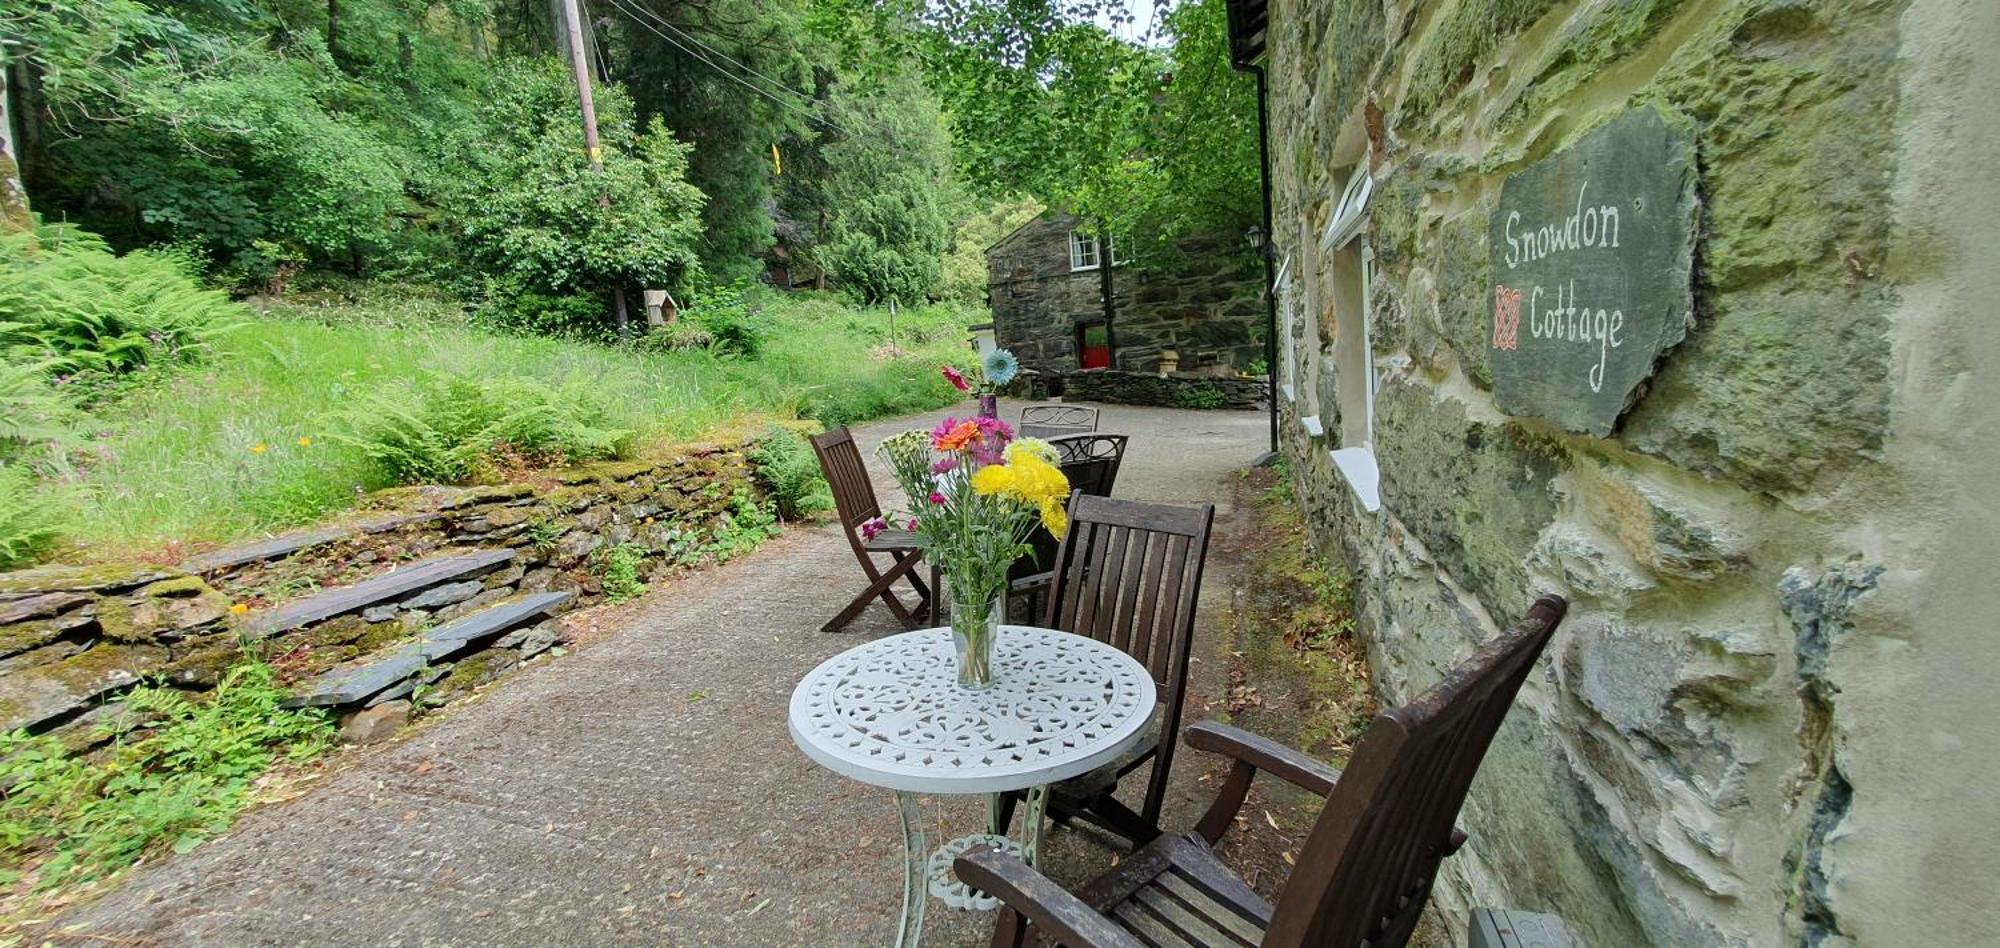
(1269,253)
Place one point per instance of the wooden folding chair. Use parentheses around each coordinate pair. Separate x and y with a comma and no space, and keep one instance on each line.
(854,502)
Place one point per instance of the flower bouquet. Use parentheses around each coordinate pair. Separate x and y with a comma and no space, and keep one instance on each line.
(979,493)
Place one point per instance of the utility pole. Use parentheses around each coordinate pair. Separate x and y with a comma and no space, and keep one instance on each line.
(579,67)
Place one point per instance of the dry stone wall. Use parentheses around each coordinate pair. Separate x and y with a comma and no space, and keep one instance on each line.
(1763,723)
(336,601)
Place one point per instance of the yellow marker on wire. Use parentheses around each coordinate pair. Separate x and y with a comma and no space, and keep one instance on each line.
(777,167)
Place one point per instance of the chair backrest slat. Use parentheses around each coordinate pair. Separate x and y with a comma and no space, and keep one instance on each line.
(1129,574)
(1367,869)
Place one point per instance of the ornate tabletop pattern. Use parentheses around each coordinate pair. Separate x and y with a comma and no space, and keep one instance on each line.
(891,712)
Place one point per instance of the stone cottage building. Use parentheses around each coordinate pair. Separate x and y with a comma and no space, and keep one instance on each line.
(1200,320)
(1682,310)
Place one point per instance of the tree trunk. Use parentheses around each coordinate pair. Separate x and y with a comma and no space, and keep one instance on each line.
(333,28)
(14,215)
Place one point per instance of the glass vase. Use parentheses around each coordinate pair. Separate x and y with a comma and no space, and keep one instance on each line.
(975,627)
(989,405)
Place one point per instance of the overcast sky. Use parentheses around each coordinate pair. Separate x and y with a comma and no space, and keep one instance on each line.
(1144,16)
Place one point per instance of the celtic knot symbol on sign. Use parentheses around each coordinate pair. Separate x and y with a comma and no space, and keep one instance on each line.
(1506,316)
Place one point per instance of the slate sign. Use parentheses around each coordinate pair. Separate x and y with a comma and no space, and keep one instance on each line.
(1592,252)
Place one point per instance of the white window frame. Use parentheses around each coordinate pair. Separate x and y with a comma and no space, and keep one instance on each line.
(1281,289)
(1355,458)
(1077,243)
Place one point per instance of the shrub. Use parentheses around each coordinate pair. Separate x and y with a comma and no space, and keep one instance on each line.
(727,317)
(178,783)
(72,306)
(676,336)
(618,569)
(457,429)
(1201,396)
(787,470)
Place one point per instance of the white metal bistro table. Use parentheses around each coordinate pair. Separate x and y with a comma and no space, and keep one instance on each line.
(890,713)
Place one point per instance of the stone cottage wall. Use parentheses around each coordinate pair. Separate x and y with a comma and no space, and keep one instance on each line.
(1205,306)
(1768,720)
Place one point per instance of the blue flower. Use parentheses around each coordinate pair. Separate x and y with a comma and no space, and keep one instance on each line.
(999,367)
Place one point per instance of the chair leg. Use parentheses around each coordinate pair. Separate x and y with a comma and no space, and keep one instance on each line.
(1108,812)
(880,587)
(1003,812)
(1010,930)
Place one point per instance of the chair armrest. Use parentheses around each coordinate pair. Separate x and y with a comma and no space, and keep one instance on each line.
(1251,753)
(1264,754)
(1062,918)
(1032,581)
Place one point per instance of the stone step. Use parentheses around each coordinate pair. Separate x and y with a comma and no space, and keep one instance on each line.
(392,668)
(388,587)
(289,543)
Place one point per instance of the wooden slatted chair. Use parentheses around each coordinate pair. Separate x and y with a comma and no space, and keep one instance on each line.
(1365,872)
(1054,421)
(854,502)
(1129,574)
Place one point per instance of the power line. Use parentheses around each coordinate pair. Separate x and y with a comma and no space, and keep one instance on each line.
(624,6)
(690,37)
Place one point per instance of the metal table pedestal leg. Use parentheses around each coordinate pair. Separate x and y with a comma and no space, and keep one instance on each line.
(915,855)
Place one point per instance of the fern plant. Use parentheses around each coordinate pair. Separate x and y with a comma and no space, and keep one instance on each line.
(28,517)
(70,305)
(454,429)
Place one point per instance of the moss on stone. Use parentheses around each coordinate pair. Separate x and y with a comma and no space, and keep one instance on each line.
(177,586)
(80,578)
(1476,494)
(1612,32)
(1786,370)
(1463,35)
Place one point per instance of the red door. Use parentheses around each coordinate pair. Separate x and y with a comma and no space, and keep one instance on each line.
(1093,346)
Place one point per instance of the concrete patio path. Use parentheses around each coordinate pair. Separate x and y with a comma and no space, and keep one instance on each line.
(641,789)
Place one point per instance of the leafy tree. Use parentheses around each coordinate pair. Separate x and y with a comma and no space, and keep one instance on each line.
(682,63)
(964,277)
(1152,143)
(887,184)
(529,208)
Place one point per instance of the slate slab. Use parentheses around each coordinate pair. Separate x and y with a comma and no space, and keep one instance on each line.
(384,676)
(1592,252)
(369,592)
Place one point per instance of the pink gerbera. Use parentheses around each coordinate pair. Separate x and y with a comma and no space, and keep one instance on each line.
(957,380)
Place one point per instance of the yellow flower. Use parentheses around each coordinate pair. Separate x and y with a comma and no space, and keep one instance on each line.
(259,448)
(239,609)
(1055,518)
(305,442)
(995,479)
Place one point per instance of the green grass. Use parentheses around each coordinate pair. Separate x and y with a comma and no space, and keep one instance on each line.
(245,441)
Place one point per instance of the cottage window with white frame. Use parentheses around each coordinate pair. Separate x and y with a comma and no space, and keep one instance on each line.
(1083,252)
(1352,265)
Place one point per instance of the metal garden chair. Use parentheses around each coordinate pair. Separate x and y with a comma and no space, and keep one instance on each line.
(1054,421)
